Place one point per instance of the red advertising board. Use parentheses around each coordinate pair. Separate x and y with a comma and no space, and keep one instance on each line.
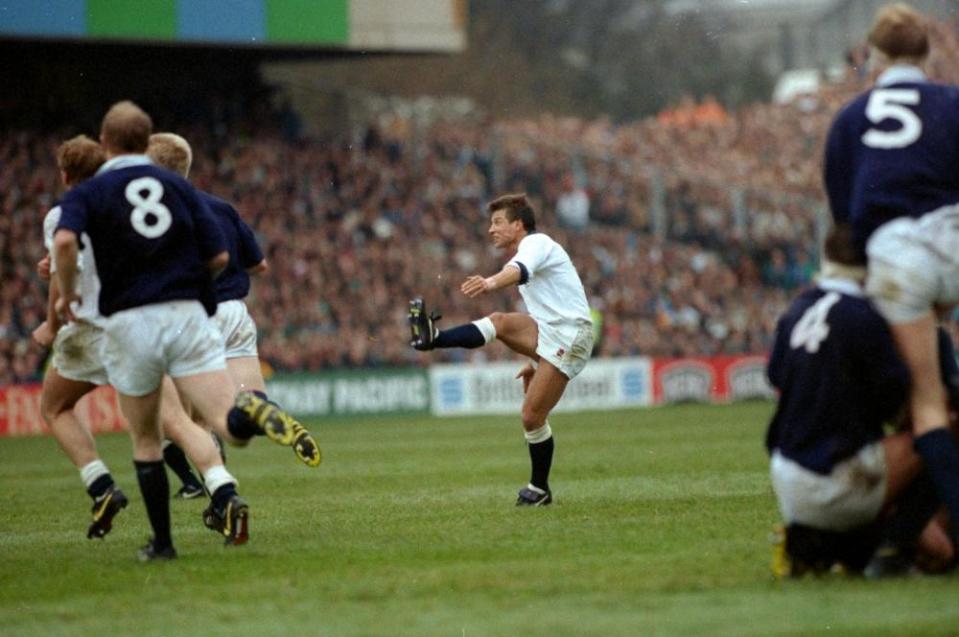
(716,379)
(20,411)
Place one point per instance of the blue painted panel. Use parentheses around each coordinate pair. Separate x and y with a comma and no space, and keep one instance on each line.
(221,21)
(48,18)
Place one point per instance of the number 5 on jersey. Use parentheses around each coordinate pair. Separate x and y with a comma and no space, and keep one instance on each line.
(889,103)
(145,207)
(812,329)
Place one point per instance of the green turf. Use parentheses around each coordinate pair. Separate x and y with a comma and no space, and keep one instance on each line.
(660,527)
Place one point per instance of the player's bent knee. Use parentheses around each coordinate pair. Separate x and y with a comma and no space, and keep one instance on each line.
(532,418)
(52,407)
(49,413)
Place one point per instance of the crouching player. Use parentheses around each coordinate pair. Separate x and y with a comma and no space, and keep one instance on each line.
(834,471)
(172,152)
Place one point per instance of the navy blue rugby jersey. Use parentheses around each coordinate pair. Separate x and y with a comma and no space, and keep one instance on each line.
(151,232)
(234,282)
(893,151)
(839,376)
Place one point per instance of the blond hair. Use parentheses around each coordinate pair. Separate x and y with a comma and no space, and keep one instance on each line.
(172,152)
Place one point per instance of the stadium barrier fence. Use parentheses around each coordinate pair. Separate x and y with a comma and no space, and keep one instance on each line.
(448,390)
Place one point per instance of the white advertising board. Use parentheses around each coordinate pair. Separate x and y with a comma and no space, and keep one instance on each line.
(492,388)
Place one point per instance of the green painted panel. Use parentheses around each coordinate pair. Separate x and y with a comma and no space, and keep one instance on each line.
(140,19)
(308,21)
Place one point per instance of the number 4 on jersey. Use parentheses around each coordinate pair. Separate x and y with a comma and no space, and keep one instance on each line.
(812,329)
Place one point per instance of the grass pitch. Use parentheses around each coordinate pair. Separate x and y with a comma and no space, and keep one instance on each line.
(660,527)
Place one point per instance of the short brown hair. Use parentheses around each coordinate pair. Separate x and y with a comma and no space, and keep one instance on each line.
(900,32)
(839,247)
(126,128)
(170,151)
(517,206)
(80,158)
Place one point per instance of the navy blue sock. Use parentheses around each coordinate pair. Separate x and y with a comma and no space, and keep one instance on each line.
(939,452)
(468,336)
(541,459)
(175,459)
(222,495)
(156,496)
(241,426)
(100,486)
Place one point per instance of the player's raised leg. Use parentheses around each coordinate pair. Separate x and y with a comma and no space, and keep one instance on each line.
(257,413)
(246,373)
(516,331)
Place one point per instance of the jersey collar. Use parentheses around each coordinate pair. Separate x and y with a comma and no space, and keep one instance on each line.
(125,161)
(901,74)
(843,286)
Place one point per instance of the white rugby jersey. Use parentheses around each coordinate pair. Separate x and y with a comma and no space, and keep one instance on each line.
(88,283)
(549,284)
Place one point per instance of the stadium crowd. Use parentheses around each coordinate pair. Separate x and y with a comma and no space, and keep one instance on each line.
(690,233)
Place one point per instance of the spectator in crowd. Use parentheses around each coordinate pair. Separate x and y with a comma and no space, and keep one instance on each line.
(572,206)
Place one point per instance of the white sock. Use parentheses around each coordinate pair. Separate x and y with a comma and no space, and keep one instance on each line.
(539,435)
(90,472)
(486,328)
(217,476)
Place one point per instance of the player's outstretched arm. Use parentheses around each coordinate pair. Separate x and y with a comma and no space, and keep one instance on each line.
(475,285)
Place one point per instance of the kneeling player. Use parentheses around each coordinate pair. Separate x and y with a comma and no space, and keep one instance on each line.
(833,468)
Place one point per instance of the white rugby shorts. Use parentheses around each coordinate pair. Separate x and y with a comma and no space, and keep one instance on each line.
(849,497)
(142,344)
(914,264)
(566,347)
(237,327)
(76,353)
